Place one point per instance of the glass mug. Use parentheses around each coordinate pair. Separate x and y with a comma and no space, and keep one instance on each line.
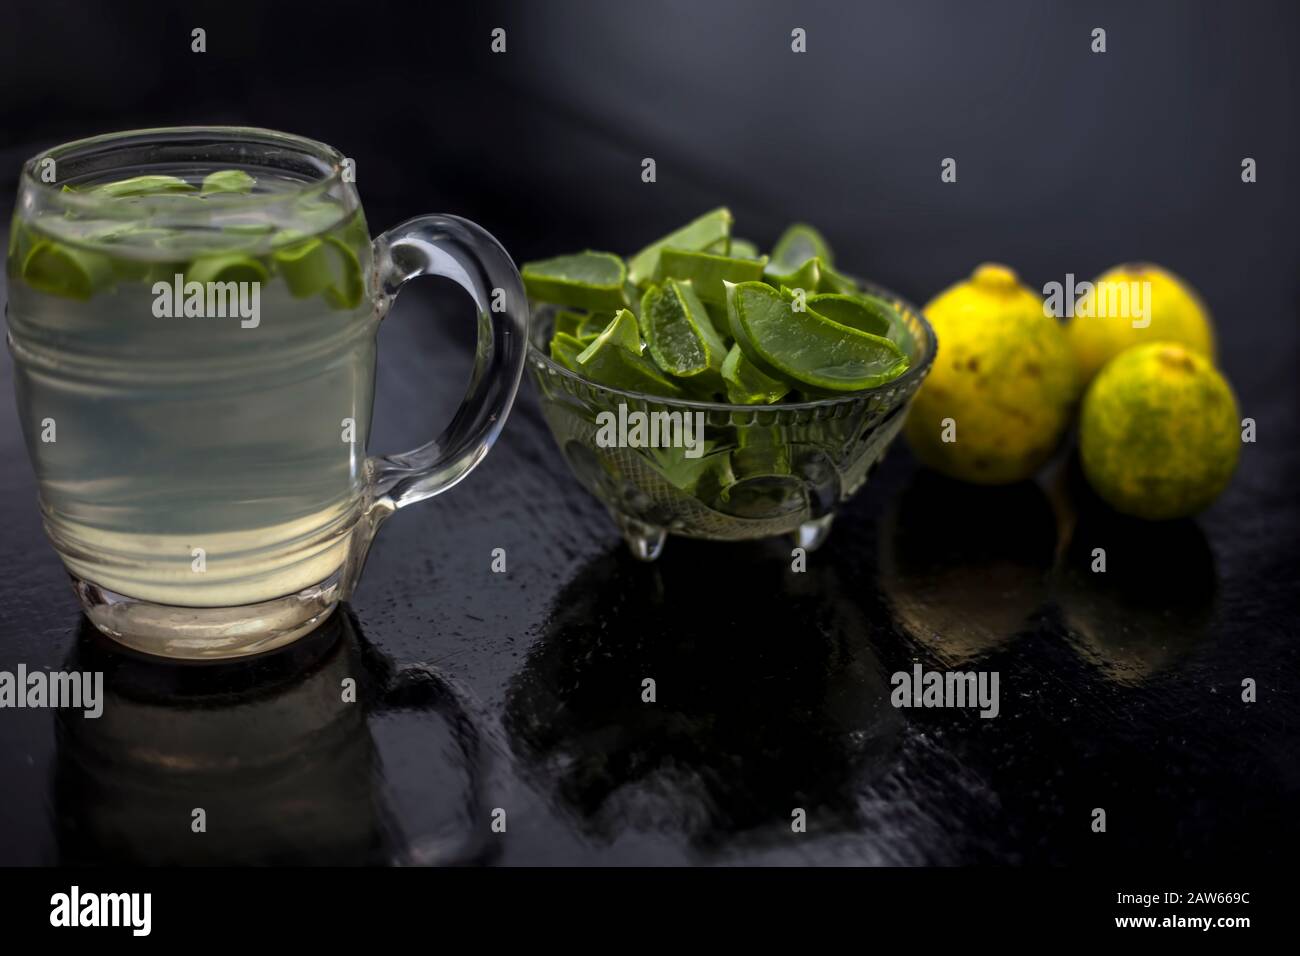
(192,315)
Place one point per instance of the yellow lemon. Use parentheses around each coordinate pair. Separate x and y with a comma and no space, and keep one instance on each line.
(1158,433)
(1003,384)
(1136,304)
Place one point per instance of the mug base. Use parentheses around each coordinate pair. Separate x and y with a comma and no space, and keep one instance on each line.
(207,633)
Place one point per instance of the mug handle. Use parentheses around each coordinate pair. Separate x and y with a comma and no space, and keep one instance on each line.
(460,250)
(456,249)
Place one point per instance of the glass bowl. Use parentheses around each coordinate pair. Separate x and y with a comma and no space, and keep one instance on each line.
(758,471)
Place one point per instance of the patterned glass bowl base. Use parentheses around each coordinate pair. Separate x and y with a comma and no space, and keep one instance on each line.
(755,471)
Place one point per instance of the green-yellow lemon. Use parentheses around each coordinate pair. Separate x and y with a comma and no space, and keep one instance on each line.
(1136,304)
(1003,385)
(1159,433)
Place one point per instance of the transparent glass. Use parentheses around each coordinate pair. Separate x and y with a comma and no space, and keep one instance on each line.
(195,368)
(761,470)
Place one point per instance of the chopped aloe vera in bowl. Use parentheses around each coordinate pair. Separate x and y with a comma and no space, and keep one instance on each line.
(798,244)
(707,272)
(731,395)
(695,236)
(567,322)
(680,336)
(615,359)
(585,280)
(800,329)
(806,276)
(565,349)
(808,348)
(747,384)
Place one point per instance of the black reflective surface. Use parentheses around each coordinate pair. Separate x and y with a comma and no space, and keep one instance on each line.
(522,691)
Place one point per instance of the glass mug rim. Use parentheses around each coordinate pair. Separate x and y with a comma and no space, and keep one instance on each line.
(327,162)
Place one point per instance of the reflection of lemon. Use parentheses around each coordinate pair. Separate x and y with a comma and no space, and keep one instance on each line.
(1003,375)
(1158,432)
(1156,599)
(945,548)
(1177,314)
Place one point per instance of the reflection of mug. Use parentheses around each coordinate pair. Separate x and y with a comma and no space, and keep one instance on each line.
(284,768)
(192,314)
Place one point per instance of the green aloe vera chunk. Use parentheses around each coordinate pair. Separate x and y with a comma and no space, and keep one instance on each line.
(747,384)
(797,245)
(809,348)
(759,452)
(594,324)
(226,268)
(807,276)
(720,248)
(60,270)
(707,272)
(679,335)
(568,323)
(866,313)
(832,281)
(856,311)
(136,237)
(349,286)
(565,350)
(583,280)
(325,266)
(743,249)
(614,359)
(733,324)
(306,267)
(695,235)
(227,181)
(688,473)
(145,186)
(621,332)
(721,325)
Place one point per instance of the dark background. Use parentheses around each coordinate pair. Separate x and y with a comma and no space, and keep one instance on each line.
(521,691)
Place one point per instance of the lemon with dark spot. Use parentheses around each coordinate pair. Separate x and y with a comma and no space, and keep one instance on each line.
(1158,433)
(1003,385)
(1136,304)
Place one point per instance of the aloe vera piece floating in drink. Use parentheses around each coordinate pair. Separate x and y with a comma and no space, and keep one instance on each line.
(584,280)
(145,186)
(227,181)
(83,253)
(65,271)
